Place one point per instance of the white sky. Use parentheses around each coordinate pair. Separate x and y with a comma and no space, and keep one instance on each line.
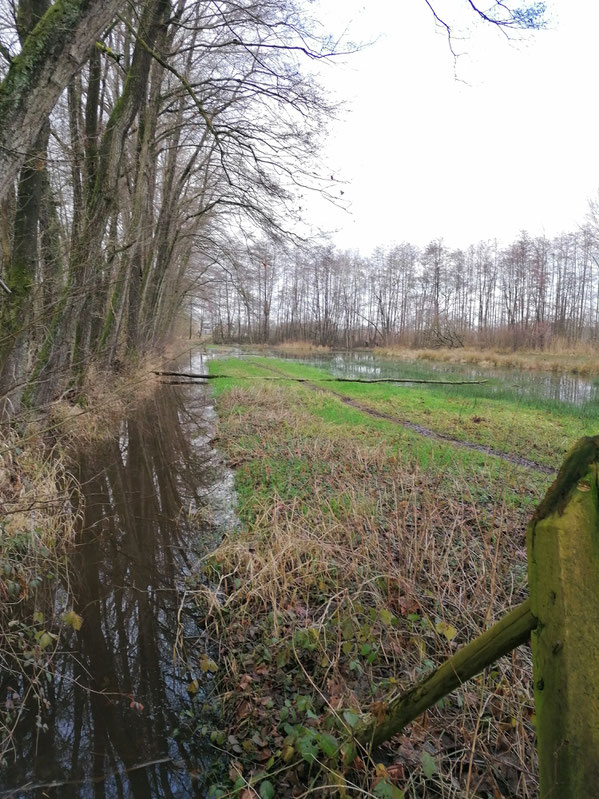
(513,144)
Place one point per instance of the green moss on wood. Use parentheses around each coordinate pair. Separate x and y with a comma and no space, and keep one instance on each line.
(563,562)
(47,39)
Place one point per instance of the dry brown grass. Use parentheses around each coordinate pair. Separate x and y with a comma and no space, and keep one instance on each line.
(302,348)
(338,534)
(38,520)
(105,399)
(581,361)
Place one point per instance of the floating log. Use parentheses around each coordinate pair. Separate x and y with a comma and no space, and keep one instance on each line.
(198,376)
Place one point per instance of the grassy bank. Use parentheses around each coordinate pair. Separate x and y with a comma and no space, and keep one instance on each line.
(366,554)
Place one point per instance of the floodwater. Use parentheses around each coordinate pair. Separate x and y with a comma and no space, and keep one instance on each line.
(568,389)
(157,498)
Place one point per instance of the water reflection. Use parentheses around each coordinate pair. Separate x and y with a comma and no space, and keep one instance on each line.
(565,388)
(117,692)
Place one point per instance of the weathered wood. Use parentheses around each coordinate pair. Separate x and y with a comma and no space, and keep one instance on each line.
(321,379)
(563,565)
(513,629)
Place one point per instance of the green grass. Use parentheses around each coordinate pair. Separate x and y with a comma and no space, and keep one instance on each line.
(535,429)
(360,542)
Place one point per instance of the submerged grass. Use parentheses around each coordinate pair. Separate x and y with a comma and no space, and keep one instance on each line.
(535,429)
(366,554)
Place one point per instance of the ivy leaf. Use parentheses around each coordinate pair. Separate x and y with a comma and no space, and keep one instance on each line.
(429,767)
(267,790)
(386,790)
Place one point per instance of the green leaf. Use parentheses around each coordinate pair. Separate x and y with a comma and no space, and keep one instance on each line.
(307,748)
(207,664)
(45,640)
(386,790)
(351,718)
(386,616)
(303,703)
(429,767)
(72,619)
(448,630)
(267,790)
(328,744)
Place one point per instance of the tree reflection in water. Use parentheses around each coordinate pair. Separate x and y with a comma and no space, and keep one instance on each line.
(117,693)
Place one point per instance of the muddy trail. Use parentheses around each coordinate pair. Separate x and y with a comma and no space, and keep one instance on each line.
(423,431)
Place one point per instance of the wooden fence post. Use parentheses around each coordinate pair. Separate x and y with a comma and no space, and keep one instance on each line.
(562,616)
(563,568)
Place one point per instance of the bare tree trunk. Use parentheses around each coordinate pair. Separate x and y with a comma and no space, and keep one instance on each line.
(51,54)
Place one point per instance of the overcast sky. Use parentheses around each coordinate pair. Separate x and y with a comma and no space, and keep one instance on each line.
(511,144)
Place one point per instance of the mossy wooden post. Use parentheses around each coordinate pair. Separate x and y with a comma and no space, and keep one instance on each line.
(563,566)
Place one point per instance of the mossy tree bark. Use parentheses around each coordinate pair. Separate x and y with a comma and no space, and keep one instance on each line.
(66,353)
(563,563)
(51,54)
(20,275)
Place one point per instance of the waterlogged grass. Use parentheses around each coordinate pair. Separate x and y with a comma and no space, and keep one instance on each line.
(366,554)
(534,428)
(561,359)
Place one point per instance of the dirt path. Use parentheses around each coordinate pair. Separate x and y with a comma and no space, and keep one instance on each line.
(423,431)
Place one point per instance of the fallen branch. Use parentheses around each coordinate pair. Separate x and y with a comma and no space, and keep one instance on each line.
(511,631)
(192,375)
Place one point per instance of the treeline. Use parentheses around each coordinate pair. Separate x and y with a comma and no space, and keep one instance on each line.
(524,294)
(186,124)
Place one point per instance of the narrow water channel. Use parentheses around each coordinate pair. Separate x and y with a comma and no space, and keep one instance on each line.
(157,498)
